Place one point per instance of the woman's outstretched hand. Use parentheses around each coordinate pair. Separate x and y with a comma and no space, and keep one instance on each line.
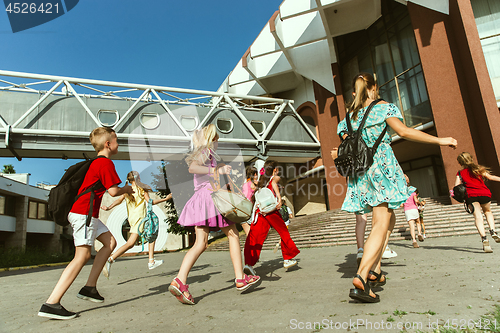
(449,141)
(106,208)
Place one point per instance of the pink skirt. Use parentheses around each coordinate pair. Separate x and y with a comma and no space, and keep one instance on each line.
(200,211)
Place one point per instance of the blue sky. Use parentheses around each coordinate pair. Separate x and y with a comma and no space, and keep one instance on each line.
(183,44)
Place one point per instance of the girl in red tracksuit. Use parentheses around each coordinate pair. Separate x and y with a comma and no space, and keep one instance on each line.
(262,222)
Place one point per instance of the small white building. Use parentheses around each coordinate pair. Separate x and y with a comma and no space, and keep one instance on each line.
(24,221)
(23,215)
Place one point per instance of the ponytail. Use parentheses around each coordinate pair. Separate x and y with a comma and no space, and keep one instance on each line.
(360,86)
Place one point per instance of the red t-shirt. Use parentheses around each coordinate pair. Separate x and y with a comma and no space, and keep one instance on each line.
(474,184)
(101,169)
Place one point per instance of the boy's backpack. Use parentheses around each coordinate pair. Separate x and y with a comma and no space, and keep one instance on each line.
(150,225)
(64,195)
(354,156)
(265,199)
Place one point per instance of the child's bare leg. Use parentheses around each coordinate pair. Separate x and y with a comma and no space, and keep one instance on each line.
(419,227)
(423,225)
(246,228)
(200,245)
(125,247)
(360,230)
(412,230)
(109,244)
(152,251)
(82,255)
(478,218)
(489,215)
(234,249)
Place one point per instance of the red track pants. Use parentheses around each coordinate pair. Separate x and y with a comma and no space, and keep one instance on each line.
(258,233)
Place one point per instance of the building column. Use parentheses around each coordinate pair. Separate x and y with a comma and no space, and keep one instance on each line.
(328,116)
(54,243)
(18,239)
(458,84)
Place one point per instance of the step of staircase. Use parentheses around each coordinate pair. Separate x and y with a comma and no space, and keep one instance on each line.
(336,227)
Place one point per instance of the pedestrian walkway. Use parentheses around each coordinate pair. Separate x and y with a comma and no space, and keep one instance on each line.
(445,279)
(336,227)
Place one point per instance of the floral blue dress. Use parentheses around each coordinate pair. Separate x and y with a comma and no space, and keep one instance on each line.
(384,181)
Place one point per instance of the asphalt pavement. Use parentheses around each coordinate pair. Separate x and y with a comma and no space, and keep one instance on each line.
(447,281)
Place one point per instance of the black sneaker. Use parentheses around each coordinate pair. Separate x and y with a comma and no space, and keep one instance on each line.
(55,311)
(91,294)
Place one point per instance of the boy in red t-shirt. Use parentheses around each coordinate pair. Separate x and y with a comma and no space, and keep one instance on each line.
(105,143)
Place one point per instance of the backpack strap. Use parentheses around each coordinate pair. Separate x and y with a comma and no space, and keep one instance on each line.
(348,121)
(370,107)
(96,186)
(381,136)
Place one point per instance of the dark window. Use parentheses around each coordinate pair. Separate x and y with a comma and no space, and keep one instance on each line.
(7,205)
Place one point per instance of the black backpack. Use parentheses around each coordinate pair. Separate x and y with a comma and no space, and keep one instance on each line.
(284,213)
(354,156)
(64,195)
(460,194)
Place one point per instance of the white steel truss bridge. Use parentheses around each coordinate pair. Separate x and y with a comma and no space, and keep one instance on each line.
(51,116)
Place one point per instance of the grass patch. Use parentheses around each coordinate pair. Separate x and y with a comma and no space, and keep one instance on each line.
(14,257)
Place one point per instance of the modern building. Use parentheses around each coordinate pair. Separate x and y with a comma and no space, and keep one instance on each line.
(23,216)
(24,221)
(436,60)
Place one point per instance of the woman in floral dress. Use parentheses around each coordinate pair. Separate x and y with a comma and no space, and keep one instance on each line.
(383,187)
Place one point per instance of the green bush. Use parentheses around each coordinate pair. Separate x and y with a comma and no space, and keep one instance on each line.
(14,257)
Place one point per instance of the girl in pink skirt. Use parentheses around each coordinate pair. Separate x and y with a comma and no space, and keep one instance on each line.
(200,213)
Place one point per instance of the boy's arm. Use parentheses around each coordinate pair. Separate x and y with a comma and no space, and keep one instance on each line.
(116,191)
(114,204)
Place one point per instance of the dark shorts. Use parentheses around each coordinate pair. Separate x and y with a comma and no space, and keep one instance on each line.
(481,200)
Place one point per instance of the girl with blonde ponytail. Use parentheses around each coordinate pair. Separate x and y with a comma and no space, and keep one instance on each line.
(136,212)
(383,187)
(478,195)
(200,212)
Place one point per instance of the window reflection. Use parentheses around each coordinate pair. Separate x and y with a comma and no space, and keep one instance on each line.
(392,56)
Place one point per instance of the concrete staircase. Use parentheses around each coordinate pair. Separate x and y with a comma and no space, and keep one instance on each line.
(335,227)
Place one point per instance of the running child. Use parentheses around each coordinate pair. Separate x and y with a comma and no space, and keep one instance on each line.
(105,144)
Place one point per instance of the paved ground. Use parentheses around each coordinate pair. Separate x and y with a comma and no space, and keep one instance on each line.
(446,279)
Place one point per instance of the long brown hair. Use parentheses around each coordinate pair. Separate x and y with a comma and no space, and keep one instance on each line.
(265,175)
(268,169)
(361,83)
(466,161)
(250,172)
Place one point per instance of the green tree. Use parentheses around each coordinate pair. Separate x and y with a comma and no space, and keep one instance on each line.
(8,168)
(160,182)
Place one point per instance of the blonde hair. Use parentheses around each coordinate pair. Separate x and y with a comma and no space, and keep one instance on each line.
(99,136)
(466,161)
(361,83)
(133,176)
(202,141)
